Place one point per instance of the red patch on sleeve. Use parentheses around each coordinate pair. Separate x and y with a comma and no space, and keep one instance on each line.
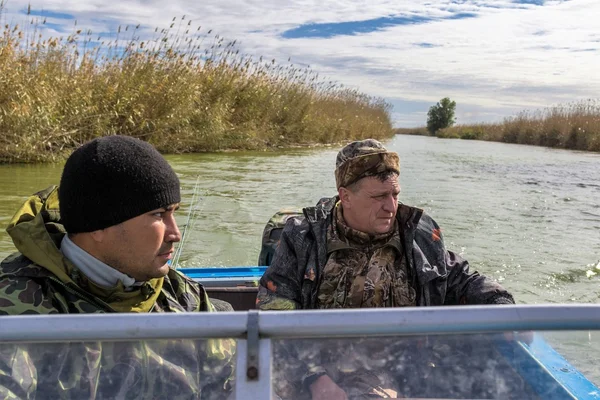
(271,286)
(310,275)
(436,235)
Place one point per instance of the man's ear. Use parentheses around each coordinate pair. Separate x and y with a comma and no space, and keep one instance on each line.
(344,195)
(98,236)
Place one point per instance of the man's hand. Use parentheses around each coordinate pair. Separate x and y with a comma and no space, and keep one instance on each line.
(326,389)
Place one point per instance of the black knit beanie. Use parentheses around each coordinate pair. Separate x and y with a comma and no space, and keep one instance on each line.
(112,179)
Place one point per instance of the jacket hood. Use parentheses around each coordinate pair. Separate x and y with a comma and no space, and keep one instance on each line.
(36,232)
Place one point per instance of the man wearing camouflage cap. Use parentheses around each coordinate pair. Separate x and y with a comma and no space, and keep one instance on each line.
(363,249)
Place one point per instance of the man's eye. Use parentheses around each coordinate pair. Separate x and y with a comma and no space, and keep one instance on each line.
(159,214)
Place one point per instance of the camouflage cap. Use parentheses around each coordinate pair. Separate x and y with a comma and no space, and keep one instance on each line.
(361,159)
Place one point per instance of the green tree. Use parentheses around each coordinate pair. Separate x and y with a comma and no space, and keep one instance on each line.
(441,115)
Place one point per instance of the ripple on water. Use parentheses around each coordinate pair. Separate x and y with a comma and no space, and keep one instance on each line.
(591,214)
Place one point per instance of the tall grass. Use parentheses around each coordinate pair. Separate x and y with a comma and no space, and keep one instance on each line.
(419,131)
(184,90)
(571,126)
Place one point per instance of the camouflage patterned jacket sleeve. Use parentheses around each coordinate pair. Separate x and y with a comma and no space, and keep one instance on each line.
(436,264)
(280,286)
(286,286)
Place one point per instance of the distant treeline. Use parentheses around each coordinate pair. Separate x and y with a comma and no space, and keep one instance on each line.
(184,90)
(571,126)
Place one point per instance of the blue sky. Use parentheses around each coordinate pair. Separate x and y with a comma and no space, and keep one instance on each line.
(494,57)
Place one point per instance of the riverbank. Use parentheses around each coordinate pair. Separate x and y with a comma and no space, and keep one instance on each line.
(185,90)
(574,126)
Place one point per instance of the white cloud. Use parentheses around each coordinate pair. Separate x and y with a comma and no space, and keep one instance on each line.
(508,58)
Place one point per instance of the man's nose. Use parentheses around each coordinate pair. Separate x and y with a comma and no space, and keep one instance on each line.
(389,205)
(172,233)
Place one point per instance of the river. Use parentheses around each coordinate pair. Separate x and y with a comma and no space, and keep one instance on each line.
(526,216)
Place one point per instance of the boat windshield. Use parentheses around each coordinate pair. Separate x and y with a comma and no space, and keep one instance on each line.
(287,355)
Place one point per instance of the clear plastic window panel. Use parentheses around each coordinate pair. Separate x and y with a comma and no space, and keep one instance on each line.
(155,369)
(511,365)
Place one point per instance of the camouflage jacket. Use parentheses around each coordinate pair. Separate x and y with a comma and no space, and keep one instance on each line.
(292,281)
(440,277)
(40,280)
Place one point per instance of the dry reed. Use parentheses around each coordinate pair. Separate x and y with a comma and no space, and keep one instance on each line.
(573,126)
(184,90)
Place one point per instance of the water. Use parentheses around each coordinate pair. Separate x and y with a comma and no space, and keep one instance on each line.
(528,217)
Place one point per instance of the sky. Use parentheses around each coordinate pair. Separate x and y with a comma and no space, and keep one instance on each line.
(493,57)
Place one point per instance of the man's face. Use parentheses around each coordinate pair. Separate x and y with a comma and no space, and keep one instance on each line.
(141,247)
(372,206)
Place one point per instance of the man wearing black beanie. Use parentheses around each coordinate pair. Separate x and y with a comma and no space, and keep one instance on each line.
(107,249)
(117,197)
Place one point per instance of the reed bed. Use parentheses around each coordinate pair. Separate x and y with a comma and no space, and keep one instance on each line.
(420,131)
(183,89)
(573,126)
